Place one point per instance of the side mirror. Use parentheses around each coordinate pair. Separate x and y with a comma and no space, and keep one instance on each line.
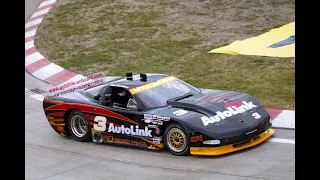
(131,104)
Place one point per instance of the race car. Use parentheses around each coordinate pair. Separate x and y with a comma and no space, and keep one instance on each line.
(158,111)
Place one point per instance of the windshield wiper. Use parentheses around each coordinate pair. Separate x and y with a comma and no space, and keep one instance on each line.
(181,97)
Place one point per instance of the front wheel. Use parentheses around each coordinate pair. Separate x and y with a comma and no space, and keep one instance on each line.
(79,127)
(176,140)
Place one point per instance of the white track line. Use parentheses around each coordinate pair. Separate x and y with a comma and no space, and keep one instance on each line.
(280,140)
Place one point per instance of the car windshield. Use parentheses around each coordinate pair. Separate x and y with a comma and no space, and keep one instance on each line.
(159,95)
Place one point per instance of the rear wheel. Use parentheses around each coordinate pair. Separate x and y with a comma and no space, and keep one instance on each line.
(176,140)
(79,127)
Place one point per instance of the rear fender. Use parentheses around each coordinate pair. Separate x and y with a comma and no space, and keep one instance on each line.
(57,118)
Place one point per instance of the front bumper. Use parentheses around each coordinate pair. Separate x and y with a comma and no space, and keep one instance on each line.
(215,151)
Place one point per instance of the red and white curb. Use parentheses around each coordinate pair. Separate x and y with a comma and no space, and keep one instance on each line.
(35,63)
(282,118)
(40,67)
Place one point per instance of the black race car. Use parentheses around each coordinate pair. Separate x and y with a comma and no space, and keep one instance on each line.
(156,111)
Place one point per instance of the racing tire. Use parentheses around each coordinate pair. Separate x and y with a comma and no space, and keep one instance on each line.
(79,126)
(177,139)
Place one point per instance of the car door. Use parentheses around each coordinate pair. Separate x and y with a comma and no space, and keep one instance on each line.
(123,125)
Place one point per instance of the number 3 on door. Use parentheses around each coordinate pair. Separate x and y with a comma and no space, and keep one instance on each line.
(101,123)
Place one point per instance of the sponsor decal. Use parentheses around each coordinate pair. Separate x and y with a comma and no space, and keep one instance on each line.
(139,143)
(180,112)
(46,100)
(147,118)
(108,138)
(158,122)
(194,139)
(158,131)
(155,119)
(157,140)
(158,117)
(147,121)
(132,130)
(131,142)
(233,110)
(124,141)
(152,126)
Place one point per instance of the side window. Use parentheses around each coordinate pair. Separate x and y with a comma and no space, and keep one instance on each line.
(118,97)
(132,104)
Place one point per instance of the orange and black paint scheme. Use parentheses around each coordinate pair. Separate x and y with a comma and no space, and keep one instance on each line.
(57,113)
(57,116)
(237,132)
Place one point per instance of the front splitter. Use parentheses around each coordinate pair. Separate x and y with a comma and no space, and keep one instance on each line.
(215,151)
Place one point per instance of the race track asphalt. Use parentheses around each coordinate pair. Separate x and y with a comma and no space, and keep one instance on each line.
(50,156)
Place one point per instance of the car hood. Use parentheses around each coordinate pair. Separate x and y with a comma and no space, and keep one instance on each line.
(212,102)
(217,112)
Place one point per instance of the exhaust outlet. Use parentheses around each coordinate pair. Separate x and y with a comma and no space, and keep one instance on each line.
(97,137)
